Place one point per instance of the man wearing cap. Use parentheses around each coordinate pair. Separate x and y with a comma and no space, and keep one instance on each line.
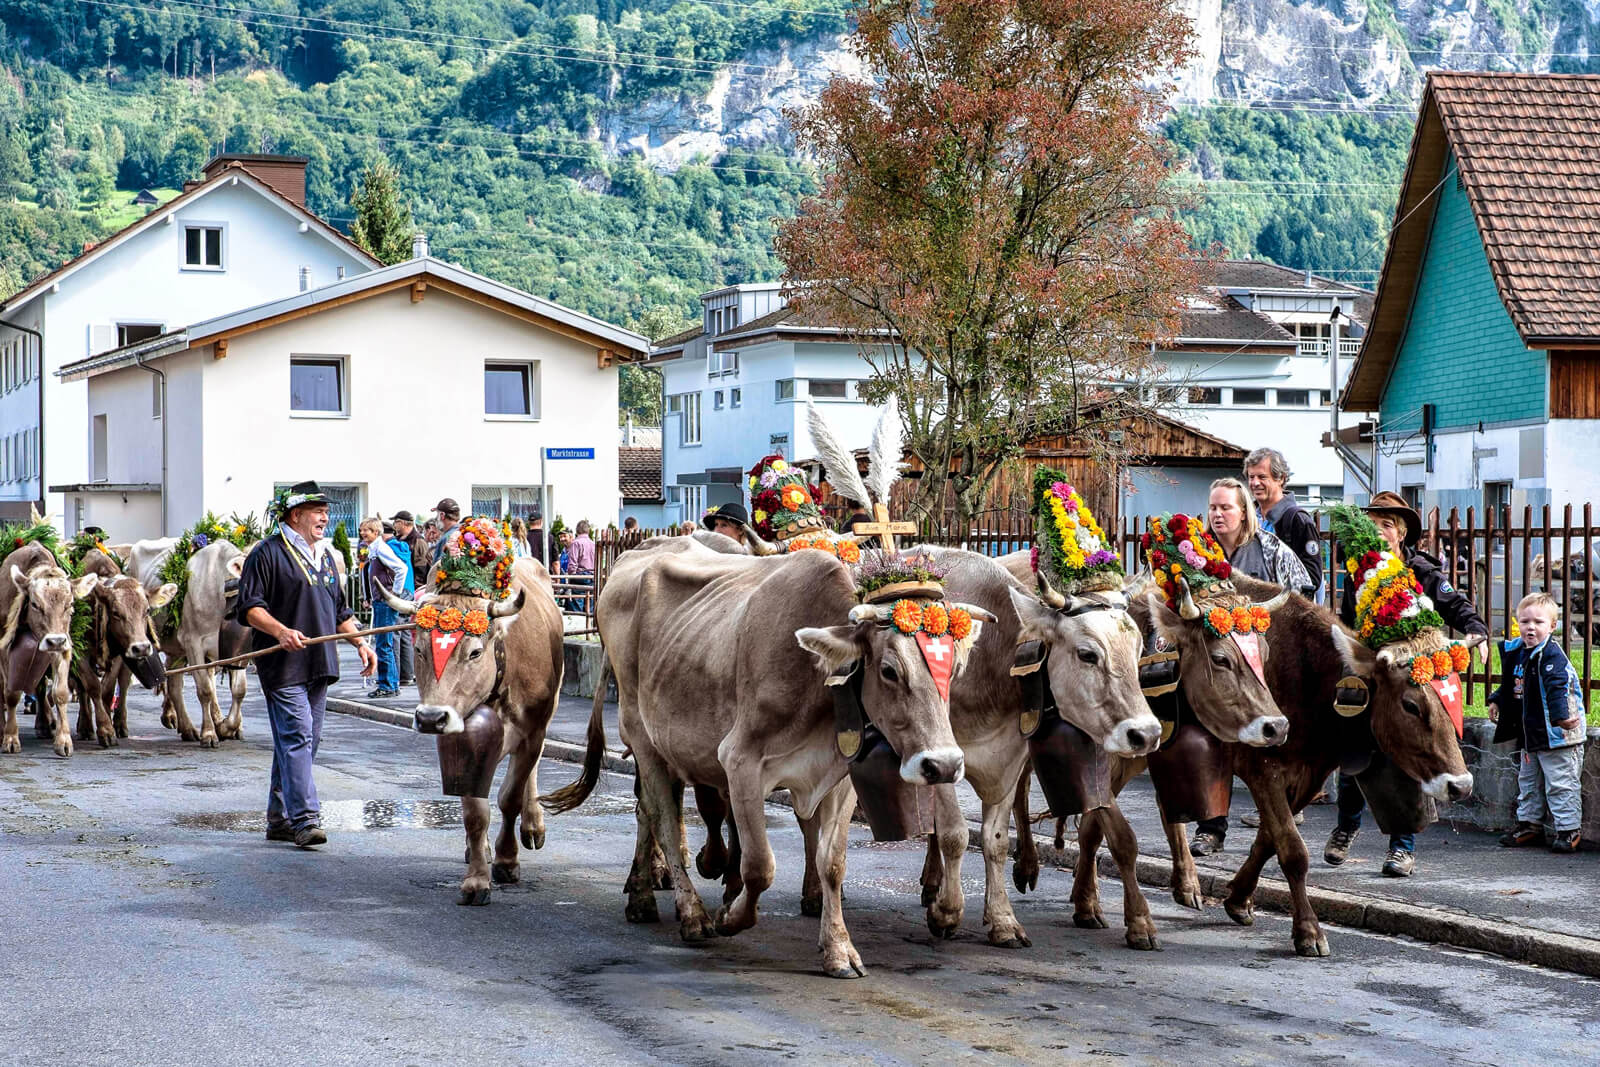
(1401,527)
(729,520)
(290,591)
(449,516)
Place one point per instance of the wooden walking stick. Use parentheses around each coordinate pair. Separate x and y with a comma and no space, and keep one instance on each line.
(235,660)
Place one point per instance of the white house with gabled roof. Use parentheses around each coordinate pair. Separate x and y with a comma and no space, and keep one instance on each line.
(238,237)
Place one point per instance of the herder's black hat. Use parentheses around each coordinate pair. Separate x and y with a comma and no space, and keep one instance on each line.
(734,512)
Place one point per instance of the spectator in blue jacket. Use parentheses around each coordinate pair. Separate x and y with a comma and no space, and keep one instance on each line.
(384,567)
(1540,705)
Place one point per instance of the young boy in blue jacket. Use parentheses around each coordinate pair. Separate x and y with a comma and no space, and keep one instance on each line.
(1544,705)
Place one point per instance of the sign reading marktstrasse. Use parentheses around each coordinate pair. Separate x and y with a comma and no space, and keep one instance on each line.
(569,453)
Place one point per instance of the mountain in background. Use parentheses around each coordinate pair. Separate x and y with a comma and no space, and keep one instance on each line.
(621,156)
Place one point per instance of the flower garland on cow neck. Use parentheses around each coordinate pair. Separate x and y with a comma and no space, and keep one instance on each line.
(476,560)
(932,617)
(239,532)
(84,543)
(844,549)
(1179,546)
(783,504)
(19,535)
(449,620)
(1070,545)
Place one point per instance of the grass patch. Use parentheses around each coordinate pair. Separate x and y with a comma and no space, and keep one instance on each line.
(120,210)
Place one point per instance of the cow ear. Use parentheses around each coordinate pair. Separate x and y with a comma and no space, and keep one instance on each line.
(1169,625)
(1038,621)
(834,646)
(164,596)
(85,585)
(235,566)
(19,579)
(1354,657)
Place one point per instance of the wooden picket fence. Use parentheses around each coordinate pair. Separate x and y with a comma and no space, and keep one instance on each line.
(1494,557)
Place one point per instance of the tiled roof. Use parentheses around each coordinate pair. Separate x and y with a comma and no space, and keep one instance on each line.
(677,339)
(639,471)
(1222,318)
(1259,274)
(1528,149)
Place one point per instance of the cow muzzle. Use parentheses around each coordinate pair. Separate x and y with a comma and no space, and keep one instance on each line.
(1134,737)
(1449,787)
(1265,731)
(140,650)
(934,766)
(433,719)
(55,643)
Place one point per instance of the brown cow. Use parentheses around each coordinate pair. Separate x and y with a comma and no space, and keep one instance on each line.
(36,601)
(515,669)
(121,643)
(1312,652)
(721,664)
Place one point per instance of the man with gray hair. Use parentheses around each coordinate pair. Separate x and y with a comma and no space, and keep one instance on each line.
(1267,472)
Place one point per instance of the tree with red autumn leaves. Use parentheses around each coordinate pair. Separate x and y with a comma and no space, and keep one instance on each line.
(995,225)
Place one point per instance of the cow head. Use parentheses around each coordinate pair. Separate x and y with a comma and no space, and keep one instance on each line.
(122,608)
(44,604)
(898,689)
(1215,674)
(1409,721)
(1094,664)
(457,670)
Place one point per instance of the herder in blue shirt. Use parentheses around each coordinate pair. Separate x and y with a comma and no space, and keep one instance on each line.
(289,591)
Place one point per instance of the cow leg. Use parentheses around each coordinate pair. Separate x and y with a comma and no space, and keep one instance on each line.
(1242,886)
(1086,911)
(58,696)
(9,741)
(533,811)
(932,871)
(84,688)
(513,795)
(747,803)
(950,829)
(104,690)
(180,713)
(662,797)
(475,818)
(811,883)
(205,693)
(733,884)
(640,887)
(233,726)
(1185,879)
(1004,929)
(839,956)
(1025,868)
(712,859)
(1124,845)
(1277,818)
(119,714)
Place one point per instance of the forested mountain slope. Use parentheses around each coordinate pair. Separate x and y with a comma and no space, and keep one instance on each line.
(620,155)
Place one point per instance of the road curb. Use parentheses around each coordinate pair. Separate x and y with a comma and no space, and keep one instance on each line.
(1499,937)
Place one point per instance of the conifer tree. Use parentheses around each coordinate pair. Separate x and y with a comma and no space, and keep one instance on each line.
(383,219)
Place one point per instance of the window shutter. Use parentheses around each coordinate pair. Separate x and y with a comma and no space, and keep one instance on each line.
(102,337)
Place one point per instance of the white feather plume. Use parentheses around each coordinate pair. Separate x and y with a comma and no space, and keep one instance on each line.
(837,461)
(883,458)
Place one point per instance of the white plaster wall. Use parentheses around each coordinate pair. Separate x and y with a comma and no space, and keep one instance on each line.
(123,516)
(19,406)
(142,281)
(1572,463)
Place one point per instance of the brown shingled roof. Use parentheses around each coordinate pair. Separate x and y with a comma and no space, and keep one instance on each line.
(1527,152)
(1228,320)
(639,472)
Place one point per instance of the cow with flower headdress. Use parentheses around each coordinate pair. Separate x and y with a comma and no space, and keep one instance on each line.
(488,668)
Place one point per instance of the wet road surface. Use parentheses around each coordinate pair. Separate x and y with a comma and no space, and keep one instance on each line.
(150,922)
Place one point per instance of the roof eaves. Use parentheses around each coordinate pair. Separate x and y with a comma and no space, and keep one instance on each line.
(116,358)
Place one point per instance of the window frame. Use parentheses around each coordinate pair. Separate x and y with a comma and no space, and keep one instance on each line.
(531,389)
(780,395)
(1234,400)
(122,327)
(1204,396)
(736,397)
(343,363)
(842,383)
(721,364)
(221,266)
(1304,394)
(690,428)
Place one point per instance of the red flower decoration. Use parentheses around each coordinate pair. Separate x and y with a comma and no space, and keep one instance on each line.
(1144,542)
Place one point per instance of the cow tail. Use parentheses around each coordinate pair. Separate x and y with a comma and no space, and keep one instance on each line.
(570,796)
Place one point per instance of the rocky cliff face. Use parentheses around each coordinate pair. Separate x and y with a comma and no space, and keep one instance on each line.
(1315,53)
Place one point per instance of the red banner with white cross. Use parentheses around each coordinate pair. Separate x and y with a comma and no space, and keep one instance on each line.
(940,654)
(1449,690)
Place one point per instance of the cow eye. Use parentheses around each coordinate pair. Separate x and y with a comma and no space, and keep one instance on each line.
(1221,659)
(1089,656)
(889,673)
(1411,706)
(475,653)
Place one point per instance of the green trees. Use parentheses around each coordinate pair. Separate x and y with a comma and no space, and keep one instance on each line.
(382,224)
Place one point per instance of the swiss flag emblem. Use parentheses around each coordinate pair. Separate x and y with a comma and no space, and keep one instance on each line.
(1449,690)
(940,654)
(1250,646)
(443,644)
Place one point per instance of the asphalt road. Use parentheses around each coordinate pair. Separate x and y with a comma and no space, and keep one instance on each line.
(150,922)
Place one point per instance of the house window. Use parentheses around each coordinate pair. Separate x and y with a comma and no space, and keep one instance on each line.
(829,388)
(735,397)
(691,498)
(1294,398)
(689,425)
(1327,398)
(317,386)
(675,404)
(1250,397)
(1496,500)
(129,333)
(344,506)
(722,363)
(1205,395)
(97,444)
(716,400)
(510,389)
(202,247)
(1333,494)
(506,501)
(778,445)
(1166,396)
(784,389)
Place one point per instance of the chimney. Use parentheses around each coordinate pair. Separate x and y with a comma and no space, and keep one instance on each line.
(285,175)
(305,278)
(419,245)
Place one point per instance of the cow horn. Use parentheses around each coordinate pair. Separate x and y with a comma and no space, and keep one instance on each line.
(398,605)
(1186,605)
(1275,603)
(976,612)
(758,547)
(500,609)
(871,613)
(1047,593)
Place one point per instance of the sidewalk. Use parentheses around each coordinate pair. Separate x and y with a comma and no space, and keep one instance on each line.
(1460,872)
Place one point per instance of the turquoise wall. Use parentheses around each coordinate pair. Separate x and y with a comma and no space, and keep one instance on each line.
(1460,350)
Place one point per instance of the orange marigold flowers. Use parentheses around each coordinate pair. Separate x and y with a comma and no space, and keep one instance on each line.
(960,624)
(427,617)
(1261,618)
(849,552)
(1242,621)
(476,623)
(1219,621)
(1460,657)
(1422,670)
(450,619)
(794,497)
(935,619)
(1443,664)
(907,616)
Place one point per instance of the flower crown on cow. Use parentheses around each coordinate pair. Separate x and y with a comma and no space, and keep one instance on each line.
(1390,604)
(476,560)
(1179,549)
(783,504)
(1070,550)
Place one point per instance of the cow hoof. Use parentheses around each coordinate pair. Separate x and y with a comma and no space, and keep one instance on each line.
(711,866)
(169,720)
(661,880)
(64,748)
(1013,938)
(1312,947)
(1243,914)
(475,898)
(642,910)
(811,907)
(108,739)
(533,839)
(941,926)
(1187,898)
(122,730)
(188,735)
(11,744)
(506,873)
(843,964)
(699,928)
(1091,921)
(208,740)
(1143,940)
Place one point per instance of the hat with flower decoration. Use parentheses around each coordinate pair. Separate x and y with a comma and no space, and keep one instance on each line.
(783,503)
(1070,552)
(1181,552)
